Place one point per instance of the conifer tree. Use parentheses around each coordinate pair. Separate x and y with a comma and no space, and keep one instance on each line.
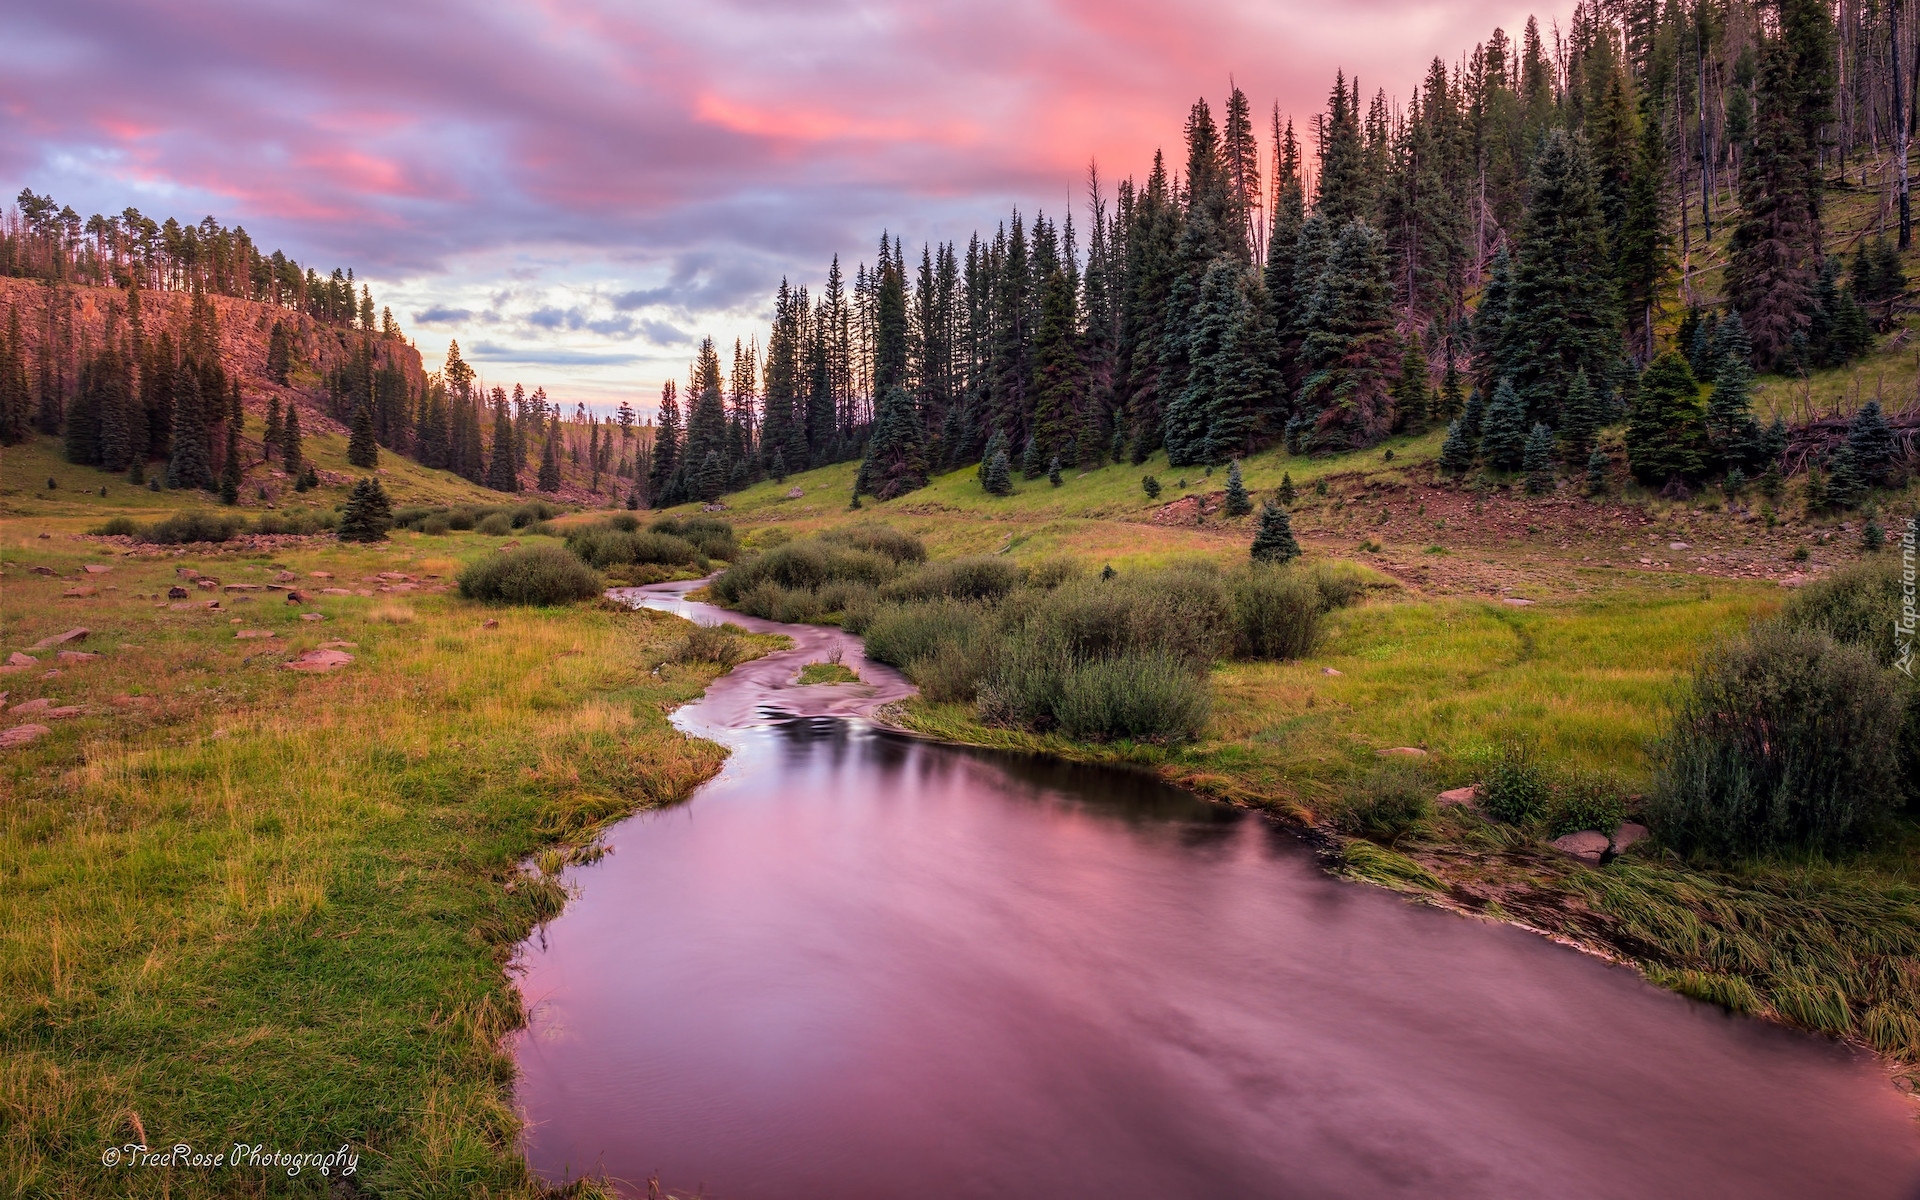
(232,471)
(1846,482)
(1473,417)
(1537,461)
(1871,441)
(190,466)
(502,470)
(665,468)
(276,429)
(1238,503)
(1273,540)
(706,418)
(1456,453)
(279,354)
(1053,472)
(1349,351)
(1597,464)
(712,480)
(997,479)
(1452,400)
(1640,242)
(1286,491)
(778,466)
(1057,374)
(1489,323)
(1667,430)
(1582,415)
(362,449)
(368,514)
(1030,461)
(549,480)
(996,445)
(1562,316)
(1770,269)
(1503,442)
(292,453)
(1730,409)
(1150,486)
(1410,389)
(896,461)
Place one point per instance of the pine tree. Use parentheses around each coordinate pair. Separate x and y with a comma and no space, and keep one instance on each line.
(368,514)
(1562,317)
(1058,378)
(1597,465)
(1503,442)
(503,473)
(1053,472)
(1846,482)
(1286,491)
(997,479)
(1538,461)
(1451,399)
(778,467)
(549,480)
(712,480)
(1030,461)
(1770,269)
(1871,441)
(1456,453)
(190,466)
(665,468)
(1410,389)
(996,445)
(1238,504)
(1730,409)
(279,354)
(1349,350)
(276,429)
(1667,430)
(292,453)
(232,471)
(896,461)
(363,450)
(1582,415)
(1490,363)
(1273,540)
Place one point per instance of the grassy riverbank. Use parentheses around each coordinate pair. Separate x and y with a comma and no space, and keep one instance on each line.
(1562,623)
(243,903)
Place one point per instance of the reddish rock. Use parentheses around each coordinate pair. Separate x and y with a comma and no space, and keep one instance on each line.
(312,617)
(33,706)
(187,572)
(63,712)
(20,735)
(243,587)
(286,577)
(490,623)
(206,583)
(320,574)
(296,597)
(176,593)
(61,639)
(1588,845)
(98,568)
(1330,671)
(320,660)
(17,659)
(247,635)
(1628,833)
(75,656)
(1460,795)
(1402,752)
(335,592)
(44,571)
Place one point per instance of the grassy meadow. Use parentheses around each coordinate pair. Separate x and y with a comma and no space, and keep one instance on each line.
(243,903)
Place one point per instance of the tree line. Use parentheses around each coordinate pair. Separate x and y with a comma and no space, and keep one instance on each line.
(1495,255)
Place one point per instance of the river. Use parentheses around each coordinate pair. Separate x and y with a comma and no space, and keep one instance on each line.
(860,965)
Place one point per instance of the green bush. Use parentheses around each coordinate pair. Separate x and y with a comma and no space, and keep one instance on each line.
(901,634)
(805,566)
(194,525)
(1390,801)
(1855,607)
(299,522)
(462,519)
(980,578)
(1517,788)
(1276,611)
(496,524)
(532,513)
(537,575)
(1133,697)
(880,539)
(723,644)
(1787,739)
(436,526)
(117,527)
(607,545)
(1585,800)
(412,516)
(710,535)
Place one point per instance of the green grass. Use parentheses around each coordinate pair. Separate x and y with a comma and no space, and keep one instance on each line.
(827,672)
(242,903)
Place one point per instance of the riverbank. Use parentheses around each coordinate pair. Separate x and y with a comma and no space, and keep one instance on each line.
(240,902)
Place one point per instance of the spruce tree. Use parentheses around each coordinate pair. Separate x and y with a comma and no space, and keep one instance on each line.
(1597,465)
(502,469)
(1349,351)
(276,429)
(998,476)
(1871,441)
(363,450)
(549,480)
(1273,540)
(778,466)
(1410,389)
(1563,315)
(1456,453)
(896,461)
(1582,415)
(1473,417)
(1503,442)
(1150,486)
(1489,322)
(279,354)
(233,471)
(712,479)
(1030,462)
(1770,270)
(1452,400)
(292,453)
(996,445)
(368,514)
(1238,504)
(1730,409)
(1286,491)
(1538,461)
(1667,429)
(665,467)
(190,466)
(1058,375)
(1846,482)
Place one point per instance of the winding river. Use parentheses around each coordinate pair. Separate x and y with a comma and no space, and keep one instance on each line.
(861,965)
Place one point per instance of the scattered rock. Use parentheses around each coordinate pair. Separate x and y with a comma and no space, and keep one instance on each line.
(1588,845)
(335,592)
(794,493)
(1330,671)
(63,712)
(1516,601)
(320,660)
(206,583)
(20,735)
(98,568)
(75,656)
(296,597)
(320,574)
(490,623)
(1628,833)
(286,577)
(50,674)
(312,617)
(80,593)
(17,659)
(33,706)
(176,593)
(1402,752)
(187,572)
(61,639)
(1460,795)
(45,571)
(243,587)
(1678,546)
(247,635)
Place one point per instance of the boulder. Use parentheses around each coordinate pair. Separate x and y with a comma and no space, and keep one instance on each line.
(176,593)
(312,617)
(17,659)
(45,571)
(1402,752)
(1589,845)
(63,712)
(187,572)
(490,623)
(1516,601)
(33,706)
(98,568)
(320,574)
(1460,795)
(296,597)
(206,583)
(247,635)
(286,577)
(20,735)
(61,639)
(1628,833)
(316,661)
(75,656)
(1330,671)
(335,592)
(794,493)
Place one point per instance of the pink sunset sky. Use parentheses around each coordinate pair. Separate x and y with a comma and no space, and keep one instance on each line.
(578,190)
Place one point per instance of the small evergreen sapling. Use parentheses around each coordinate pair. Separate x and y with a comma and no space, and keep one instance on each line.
(1456,453)
(996,446)
(1053,471)
(1273,540)
(368,514)
(1238,504)
(1150,486)
(999,475)
(549,480)
(1504,441)
(1538,461)
(362,450)
(1286,491)
(1846,483)
(1597,464)
(1870,440)
(292,454)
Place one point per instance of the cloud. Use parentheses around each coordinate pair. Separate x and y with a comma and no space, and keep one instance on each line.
(549,356)
(440,314)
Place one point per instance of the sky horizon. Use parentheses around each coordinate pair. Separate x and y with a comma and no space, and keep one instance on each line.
(580,191)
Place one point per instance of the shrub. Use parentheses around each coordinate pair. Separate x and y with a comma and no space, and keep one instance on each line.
(980,578)
(532,513)
(607,545)
(723,644)
(710,535)
(881,539)
(900,634)
(1050,573)
(462,519)
(436,526)
(530,575)
(1517,787)
(840,594)
(296,522)
(1137,697)
(1389,802)
(805,565)
(496,524)
(412,516)
(1786,739)
(1276,611)
(193,526)
(1183,613)
(1855,607)
(1585,800)
(116,527)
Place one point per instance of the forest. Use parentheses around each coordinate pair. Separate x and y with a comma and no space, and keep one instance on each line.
(1506,254)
